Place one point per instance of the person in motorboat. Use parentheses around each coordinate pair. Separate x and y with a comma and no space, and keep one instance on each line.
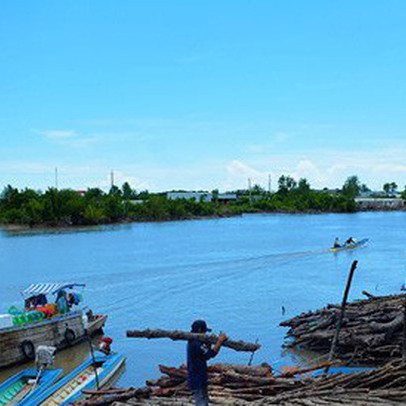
(337,243)
(62,302)
(351,241)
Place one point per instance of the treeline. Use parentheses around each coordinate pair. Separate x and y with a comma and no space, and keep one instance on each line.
(296,197)
(67,207)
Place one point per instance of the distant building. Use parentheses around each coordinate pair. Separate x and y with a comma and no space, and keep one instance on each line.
(81,192)
(380,194)
(203,196)
(370,203)
(197,196)
(227,197)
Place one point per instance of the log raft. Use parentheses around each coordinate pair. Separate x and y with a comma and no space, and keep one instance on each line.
(176,335)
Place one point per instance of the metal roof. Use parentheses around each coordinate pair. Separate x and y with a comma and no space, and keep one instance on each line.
(45,288)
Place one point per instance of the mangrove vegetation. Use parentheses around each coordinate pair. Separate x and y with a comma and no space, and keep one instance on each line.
(68,207)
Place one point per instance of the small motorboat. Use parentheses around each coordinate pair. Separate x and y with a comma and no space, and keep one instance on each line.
(100,371)
(346,247)
(26,384)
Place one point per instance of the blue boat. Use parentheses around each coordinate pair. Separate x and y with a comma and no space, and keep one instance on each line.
(26,385)
(347,247)
(70,387)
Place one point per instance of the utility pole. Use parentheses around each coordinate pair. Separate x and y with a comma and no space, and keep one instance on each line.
(56,178)
(112,178)
(249,189)
(269,183)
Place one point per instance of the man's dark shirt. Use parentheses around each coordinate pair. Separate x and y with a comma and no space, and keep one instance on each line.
(197,355)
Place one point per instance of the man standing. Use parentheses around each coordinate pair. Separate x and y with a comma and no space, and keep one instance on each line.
(197,355)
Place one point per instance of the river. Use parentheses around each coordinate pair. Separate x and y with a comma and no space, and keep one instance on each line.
(236,273)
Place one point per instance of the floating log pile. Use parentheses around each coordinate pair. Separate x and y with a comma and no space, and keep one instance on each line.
(372,331)
(256,386)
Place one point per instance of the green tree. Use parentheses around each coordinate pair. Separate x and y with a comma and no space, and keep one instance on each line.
(257,190)
(390,187)
(352,187)
(127,191)
(286,184)
(115,191)
(365,188)
(303,186)
(93,215)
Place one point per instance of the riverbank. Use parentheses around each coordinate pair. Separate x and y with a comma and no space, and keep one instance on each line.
(65,208)
(65,225)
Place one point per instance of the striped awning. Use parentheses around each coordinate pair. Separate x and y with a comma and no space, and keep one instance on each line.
(45,288)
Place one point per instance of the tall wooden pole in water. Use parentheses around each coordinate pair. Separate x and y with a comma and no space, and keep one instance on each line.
(341,318)
(249,189)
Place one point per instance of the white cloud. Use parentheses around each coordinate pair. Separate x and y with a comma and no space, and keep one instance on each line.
(69,138)
(238,174)
(58,134)
(309,170)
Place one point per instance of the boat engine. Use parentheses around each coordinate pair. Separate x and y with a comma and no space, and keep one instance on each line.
(44,356)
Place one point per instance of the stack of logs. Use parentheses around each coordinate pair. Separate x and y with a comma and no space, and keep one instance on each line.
(226,381)
(255,386)
(372,331)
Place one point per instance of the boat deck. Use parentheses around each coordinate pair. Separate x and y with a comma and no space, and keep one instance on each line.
(15,393)
(70,388)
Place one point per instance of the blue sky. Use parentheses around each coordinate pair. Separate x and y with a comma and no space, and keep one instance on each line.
(202,94)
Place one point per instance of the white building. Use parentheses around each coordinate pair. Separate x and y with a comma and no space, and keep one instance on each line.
(197,196)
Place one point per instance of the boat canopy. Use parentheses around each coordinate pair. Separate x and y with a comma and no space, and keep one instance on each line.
(45,288)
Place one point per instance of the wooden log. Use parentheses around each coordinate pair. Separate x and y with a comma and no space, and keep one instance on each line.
(173,372)
(106,401)
(299,371)
(263,370)
(368,295)
(101,392)
(185,336)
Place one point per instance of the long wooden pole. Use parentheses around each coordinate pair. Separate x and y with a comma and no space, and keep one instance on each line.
(341,318)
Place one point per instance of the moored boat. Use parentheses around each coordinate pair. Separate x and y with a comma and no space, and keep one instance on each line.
(26,384)
(102,371)
(60,324)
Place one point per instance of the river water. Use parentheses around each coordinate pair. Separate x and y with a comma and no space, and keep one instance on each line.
(236,273)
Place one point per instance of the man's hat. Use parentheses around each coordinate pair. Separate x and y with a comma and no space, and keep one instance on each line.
(200,326)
